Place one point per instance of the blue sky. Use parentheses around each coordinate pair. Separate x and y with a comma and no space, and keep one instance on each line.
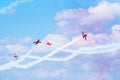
(60,22)
(37,16)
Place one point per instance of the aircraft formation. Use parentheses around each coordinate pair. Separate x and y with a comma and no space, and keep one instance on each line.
(84,35)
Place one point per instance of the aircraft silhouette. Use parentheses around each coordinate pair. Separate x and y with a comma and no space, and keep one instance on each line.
(84,36)
(38,41)
(15,56)
(48,43)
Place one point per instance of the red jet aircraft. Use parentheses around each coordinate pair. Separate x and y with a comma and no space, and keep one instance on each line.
(48,43)
(15,56)
(38,41)
(84,36)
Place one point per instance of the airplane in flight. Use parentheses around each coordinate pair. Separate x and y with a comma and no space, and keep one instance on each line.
(48,43)
(84,36)
(38,41)
(15,56)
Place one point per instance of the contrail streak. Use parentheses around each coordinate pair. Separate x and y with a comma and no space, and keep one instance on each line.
(15,63)
(85,50)
(47,56)
(97,49)
(27,54)
(7,66)
(24,57)
(91,50)
(65,50)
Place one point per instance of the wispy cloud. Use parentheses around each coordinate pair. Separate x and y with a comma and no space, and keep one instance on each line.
(11,6)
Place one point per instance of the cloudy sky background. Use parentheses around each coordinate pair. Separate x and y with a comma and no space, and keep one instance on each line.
(60,21)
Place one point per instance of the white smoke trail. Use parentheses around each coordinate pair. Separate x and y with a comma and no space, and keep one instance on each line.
(27,54)
(85,50)
(7,66)
(65,50)
(55,59)
(15,63)
(98,49)
(47,56)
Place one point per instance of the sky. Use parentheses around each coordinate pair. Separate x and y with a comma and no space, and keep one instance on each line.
(60,22)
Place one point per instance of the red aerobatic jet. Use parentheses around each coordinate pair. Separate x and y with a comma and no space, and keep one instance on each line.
(15,56)
(38,41)
(84,36)
(48,43)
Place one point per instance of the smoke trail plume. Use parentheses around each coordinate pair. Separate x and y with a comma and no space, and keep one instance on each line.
(47,56)
(97,49)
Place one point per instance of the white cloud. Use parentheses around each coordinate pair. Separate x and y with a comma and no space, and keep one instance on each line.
(101,38)
(2,49)
(115,35)
(91,19)
(86,66)
(16,48)
(10,7)
(62,23)
(71,14)
(58,73)
(56,40)
(8,40)
(26,40)
(100,76)
(92,39)
(9,46)
(106,8)
(41,73)
(13,45)
(53,74)
(116,28)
